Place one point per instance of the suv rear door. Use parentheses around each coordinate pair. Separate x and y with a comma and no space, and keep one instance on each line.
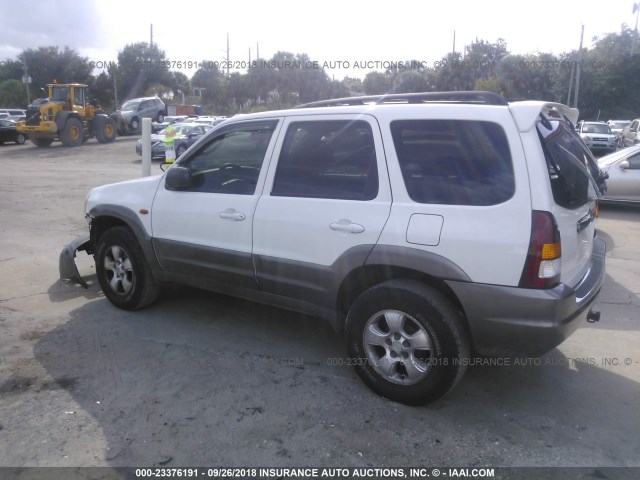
(571,170)
(325,203)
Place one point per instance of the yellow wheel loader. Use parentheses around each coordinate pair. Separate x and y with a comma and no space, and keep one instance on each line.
(68,115)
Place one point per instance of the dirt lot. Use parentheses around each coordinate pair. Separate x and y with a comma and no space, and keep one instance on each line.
(202,379)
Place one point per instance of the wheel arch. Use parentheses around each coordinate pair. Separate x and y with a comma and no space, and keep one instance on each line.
(105,217)
(62,117)
(367,276)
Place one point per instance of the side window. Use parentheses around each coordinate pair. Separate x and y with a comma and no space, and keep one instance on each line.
(231,160)
(634,162)
(327,159)
(454,162)
(78,94)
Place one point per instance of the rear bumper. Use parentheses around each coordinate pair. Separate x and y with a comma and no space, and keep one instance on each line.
(517,321)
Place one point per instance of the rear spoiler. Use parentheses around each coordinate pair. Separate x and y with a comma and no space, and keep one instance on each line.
(527,113)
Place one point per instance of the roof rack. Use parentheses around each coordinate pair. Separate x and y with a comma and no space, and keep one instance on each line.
(484,98)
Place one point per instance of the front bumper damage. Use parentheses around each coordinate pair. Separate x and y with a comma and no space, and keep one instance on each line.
(67,264)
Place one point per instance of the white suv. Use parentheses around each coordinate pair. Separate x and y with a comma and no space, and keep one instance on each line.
(426,227)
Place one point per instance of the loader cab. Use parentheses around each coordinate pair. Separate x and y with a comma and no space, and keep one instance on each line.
(72,95)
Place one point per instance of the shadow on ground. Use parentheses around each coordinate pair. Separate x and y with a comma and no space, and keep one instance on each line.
(204,379)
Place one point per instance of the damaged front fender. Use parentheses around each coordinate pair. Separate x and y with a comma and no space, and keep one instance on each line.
(68,268)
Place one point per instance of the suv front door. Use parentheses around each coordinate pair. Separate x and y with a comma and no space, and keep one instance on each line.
(324,206)
(204,230)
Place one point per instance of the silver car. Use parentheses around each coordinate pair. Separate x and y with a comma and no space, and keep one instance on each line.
(623,168)
(597,136)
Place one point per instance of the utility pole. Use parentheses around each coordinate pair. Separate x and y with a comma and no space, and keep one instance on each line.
(228,55)
(454,42)
(112,71)
(26,79)
(636,10)
(575,99)
(573,68)
(151,37)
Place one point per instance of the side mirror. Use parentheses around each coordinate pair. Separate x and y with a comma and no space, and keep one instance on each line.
(178,177)
(624,164)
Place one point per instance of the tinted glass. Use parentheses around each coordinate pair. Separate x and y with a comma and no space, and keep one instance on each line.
(454,162)
(231,160)
(572,169)
(328,159)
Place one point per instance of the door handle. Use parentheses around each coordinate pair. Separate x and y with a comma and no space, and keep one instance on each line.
(231,214)
(345,225)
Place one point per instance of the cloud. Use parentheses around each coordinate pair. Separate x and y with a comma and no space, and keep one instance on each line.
(59,23)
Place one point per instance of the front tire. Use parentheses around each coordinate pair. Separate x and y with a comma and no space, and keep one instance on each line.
(123,272)
(135,124)
(21,138)
(160,117)
(73,133)
(407,341)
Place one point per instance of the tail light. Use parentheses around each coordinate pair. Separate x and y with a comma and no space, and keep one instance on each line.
(542,266)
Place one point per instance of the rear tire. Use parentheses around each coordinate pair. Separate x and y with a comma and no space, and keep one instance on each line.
(123,271)
(73,133)
(105,130)
(160,117)
(135,124)
(407,341)
(21,138)
(42,142)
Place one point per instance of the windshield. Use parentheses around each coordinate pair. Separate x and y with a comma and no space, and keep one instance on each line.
(595,128)
(60,94)
(181,130)
(131,105)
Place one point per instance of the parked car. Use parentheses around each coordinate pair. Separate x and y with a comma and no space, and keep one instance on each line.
(9,133)
(617,126)
(186,135)
(631,133)
(623,170)
(597,136)
(168,120)
(13,112)
(209,120)
(128,117)
(423,227)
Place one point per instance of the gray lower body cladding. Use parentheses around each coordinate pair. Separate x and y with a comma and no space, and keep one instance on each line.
(516,321)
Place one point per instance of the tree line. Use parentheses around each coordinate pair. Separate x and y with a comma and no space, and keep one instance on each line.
(609,77)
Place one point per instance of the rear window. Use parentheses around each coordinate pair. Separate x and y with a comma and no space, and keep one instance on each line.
(454,162)
(572,169)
